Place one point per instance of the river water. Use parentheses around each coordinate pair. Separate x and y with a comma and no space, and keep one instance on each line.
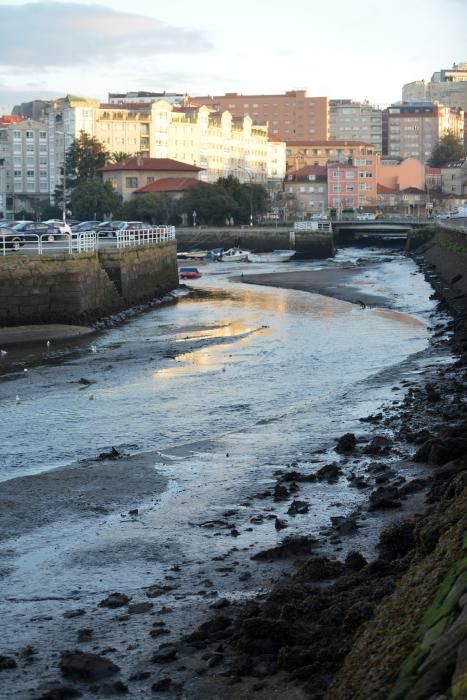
(220,390)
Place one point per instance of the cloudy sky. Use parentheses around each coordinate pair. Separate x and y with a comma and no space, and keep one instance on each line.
(360,50)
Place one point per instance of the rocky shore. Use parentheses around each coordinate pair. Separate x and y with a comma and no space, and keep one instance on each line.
(338,624)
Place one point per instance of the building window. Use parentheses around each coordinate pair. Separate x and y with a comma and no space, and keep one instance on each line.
(349,188)
(149,179)
(336,188)
(131,182)
(30,173)
(42,135)
(29,134)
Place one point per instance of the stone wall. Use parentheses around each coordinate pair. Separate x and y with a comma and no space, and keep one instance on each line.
(64,289)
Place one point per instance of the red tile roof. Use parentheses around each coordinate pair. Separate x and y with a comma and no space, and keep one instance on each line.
(434,171)
(382,189)
(138,163)
(309,170)
(170,184)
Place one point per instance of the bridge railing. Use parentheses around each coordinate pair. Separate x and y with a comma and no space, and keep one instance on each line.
(453,225)
(313,226)
(154,235)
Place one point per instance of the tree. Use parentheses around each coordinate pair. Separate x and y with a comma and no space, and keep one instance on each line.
(84,157)
(212,203)
(449,149)
(152,207)
(118,156)
(252,198)
(93,199)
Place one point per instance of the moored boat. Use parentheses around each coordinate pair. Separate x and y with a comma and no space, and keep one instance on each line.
(275,256)
(235,255)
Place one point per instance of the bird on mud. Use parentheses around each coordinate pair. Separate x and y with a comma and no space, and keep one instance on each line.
(48,345)
(17,400)
(362,304)
(3,353)
(93,348)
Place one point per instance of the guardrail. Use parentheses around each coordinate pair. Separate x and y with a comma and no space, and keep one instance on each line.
(50,244)
(313,226)
(451,225)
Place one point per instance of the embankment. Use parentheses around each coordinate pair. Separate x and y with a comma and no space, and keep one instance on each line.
(64,289)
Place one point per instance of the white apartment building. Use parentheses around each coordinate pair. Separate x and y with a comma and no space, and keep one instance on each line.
(217,142)
(356,121)
(448,86)
(24,166)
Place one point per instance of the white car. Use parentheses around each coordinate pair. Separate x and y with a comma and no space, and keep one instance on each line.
(63,227)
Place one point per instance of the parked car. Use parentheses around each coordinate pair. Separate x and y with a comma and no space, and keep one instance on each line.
(109,228)
(189,273)
(133,226)
(9,223)
(85,226)
(30,230)
(9,239)
(64,228)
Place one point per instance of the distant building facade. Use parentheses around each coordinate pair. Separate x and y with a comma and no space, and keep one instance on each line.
(290,116)
(414,129)
(306,191)
(448,86)
(357,121)
(138,174)
(24,166)
(177,99)
(408,172)
(454,178)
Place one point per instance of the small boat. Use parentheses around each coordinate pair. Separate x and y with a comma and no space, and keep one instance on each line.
(275,256)
(189,273)
(235,255)
(193,255)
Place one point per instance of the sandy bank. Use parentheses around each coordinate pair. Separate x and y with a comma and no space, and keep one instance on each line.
(15,335)
(83,489)
(340,283)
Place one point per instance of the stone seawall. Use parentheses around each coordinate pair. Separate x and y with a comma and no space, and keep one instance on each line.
(63,289)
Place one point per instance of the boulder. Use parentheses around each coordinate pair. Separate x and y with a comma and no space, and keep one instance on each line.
(86,667)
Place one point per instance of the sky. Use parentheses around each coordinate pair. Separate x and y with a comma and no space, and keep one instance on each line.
(360,49)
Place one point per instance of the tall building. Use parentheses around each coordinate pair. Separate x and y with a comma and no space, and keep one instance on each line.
(24,166)
(219,143)
(413,129)
(357,121)
(174,98)
(291,116)
(448,86)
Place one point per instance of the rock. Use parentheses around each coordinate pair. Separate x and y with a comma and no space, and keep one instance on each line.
(319,568)
(74,613)
(154,591)
(113,454)
(280,524)
(397,539)
(61,692)
(379,445)
(219,604)
(85,634)
(7,662)
(162,685)
(344,525)
(111,689)
(290,547)
(276,632)
(138,608)
(280,493)
(298,508)
(165,653)
(346,443)
(210,629)
(86,667)
(329,473)
(355,561)
(133,512)
(384,497)
(114,600)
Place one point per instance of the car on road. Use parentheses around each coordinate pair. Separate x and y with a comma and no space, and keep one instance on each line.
(32,230)
(9,239)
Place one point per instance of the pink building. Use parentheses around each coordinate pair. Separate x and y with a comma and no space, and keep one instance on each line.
(409,172)
(343,186)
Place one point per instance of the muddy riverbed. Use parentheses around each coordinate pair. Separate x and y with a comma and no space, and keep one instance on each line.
(146,461)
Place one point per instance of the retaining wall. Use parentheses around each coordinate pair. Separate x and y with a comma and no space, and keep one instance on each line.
(64,289)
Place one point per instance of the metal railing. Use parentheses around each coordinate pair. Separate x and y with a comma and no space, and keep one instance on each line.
(145,236)
(453,225)
(75,243)
(313,226)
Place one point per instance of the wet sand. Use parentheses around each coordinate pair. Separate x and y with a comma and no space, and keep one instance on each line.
(15,335)
(341,283)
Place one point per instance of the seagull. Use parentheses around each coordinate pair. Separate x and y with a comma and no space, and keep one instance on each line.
(17,400)
(91,397)
(48,345)
(3,353)
(93,348)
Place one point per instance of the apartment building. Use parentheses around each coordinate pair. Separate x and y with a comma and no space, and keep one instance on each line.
(345,187)
(306,191)
(217,142)
(357,121)
(413,129)
(400,174)
(24,166)
(454,178)
(448,86)
(177,99)
(291,116)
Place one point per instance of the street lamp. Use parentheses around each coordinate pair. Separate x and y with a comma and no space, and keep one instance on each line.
(63,133)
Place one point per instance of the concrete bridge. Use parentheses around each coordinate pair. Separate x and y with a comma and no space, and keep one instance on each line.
(389,230)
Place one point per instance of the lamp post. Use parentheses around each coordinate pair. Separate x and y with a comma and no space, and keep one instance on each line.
(63,133)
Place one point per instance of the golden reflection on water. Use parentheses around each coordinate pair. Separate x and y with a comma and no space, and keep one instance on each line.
(400,317)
